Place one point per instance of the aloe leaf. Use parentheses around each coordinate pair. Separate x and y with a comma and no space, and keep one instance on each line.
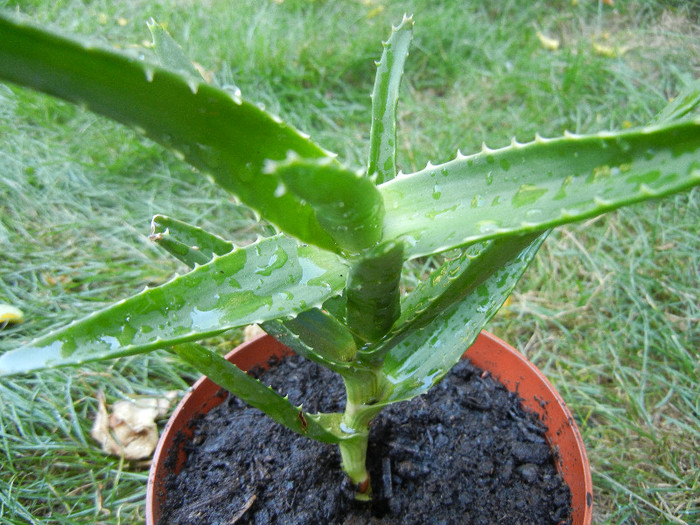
(212,129)
(373,294)
(449,284)
(316,336)
(188,243)
(347,206)
(272,278)
(253,392)
(336,306)
(533,187)
(385,97)
(425,355)
(683,104)
(169,52)
(312,334)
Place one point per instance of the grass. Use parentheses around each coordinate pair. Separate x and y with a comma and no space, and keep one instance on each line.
(609,310)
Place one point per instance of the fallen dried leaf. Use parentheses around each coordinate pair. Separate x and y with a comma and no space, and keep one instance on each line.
(130,429)
(251,332)
(605,50)
(10,315)
(551,44)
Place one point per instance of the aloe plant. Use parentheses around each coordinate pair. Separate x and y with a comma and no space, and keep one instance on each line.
(328,283)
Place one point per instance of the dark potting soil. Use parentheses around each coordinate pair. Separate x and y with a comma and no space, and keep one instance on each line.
(465,453)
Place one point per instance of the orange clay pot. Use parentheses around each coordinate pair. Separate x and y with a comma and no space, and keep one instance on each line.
(488,352)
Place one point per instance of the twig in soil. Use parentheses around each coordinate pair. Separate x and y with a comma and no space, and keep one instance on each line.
(215,497)
(386,478)
(238,515)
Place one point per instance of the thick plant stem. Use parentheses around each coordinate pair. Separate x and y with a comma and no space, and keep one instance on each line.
(354,462)
(364,389)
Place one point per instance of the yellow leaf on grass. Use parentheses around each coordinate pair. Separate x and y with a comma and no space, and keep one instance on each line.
(10,314)
(551,44)
(505,310)
(605,50)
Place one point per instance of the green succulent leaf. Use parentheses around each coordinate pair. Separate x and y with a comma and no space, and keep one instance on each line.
(253,392)
(347,206)
(188,243)
(212,129)
(683,104)
(385,97)
(313,333)
(427,353)
(373,294)
(169,52)
(532,187)
(451,283)
(271,278)
(316,336)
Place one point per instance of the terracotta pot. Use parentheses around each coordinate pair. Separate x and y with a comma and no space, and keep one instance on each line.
(488,353)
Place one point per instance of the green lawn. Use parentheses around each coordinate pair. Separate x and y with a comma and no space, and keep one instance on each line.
(609,310)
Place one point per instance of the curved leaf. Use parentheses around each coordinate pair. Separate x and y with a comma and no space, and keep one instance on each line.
(385,98)
(532,187)
(317,336)
(272,278)
(253,392)
(373,293)
(212,129)
(426,354)
(454,281)
(312,334)
(684,103)
(347,206)
(188,243)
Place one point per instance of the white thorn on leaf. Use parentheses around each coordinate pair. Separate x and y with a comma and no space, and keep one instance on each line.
(280,190)
(647,190)
(193,85)
(485,148)
(291,157)
(566,213)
